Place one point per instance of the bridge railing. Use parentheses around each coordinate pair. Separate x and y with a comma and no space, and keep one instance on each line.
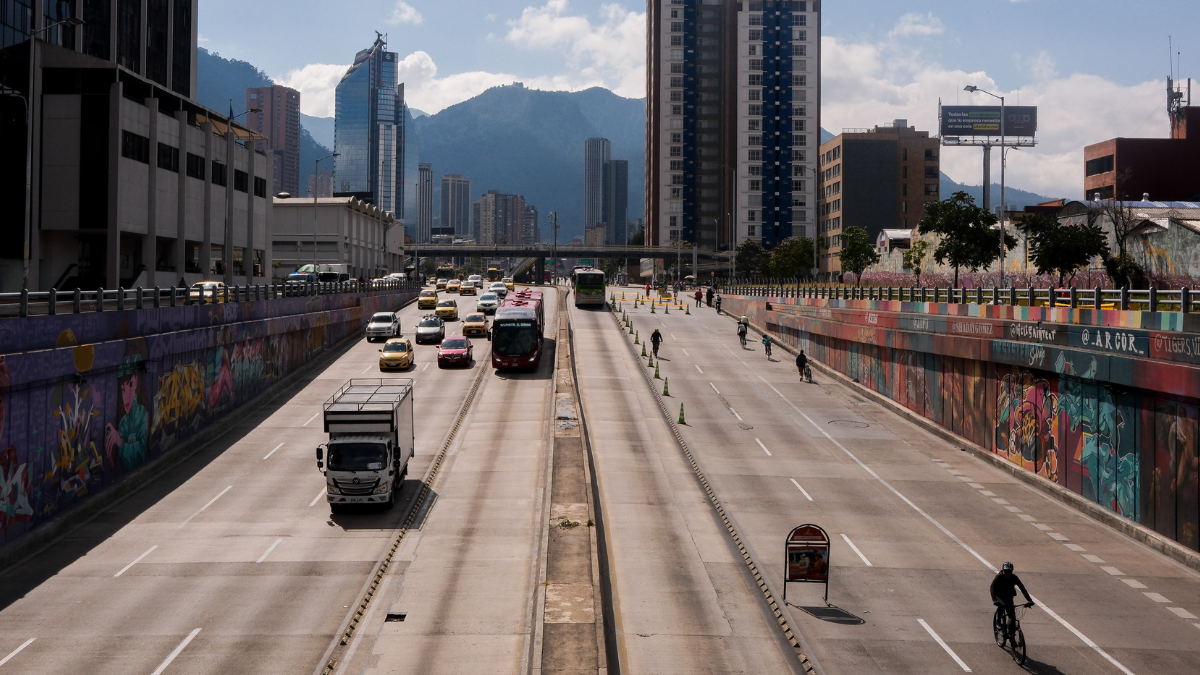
(40,303)
(1145,300)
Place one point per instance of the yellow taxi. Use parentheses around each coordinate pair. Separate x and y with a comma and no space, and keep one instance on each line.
(447,310)
(475,323)
(453,286)
(396,353)
(467,288)
(204,292)
(441,284)
(508,281)
(427,300)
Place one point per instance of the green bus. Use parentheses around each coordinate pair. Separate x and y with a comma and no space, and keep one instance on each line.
(589,287)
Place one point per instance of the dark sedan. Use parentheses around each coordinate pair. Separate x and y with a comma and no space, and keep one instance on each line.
(455,351)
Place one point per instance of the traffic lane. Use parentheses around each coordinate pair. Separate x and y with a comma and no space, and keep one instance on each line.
(1023,537)
(684,601)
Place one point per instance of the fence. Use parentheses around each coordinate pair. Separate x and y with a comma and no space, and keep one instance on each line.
(41,303)
(1150,300)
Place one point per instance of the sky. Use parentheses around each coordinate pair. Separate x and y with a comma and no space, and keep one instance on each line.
(1095,68)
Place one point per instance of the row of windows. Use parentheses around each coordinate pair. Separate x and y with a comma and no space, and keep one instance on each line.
(800,140)
(798,35)
(752,50)
(757,64)
(756,80)
(137,147)
(755,184)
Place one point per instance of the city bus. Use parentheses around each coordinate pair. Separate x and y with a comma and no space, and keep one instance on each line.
(589,287)
(517,331)
(444,271)
(494,274)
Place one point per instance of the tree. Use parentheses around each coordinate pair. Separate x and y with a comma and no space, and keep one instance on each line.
(638,238)
(967,238)
(914,258)
(858,252)
(792,257)
(1060,248)
(1122,268)
(751,257)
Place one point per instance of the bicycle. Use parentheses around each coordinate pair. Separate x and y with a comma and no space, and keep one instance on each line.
(808,373)
(767,349)
(742,337)
(1011,634)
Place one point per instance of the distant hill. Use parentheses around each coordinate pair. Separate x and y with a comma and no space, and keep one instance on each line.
(321,128)
(219,79)
(1016,197)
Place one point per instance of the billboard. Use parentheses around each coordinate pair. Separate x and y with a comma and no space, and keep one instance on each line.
(984,120)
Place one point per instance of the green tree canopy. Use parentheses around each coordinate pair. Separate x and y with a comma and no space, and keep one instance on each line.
(858,252)
(751,258)
(967,238)
(1062,249)
(792,257)
(914,258)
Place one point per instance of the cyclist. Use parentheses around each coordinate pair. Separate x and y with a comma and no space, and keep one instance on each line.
(1004,591)
(656,339)
(802,365)
(767,345)
(742,329)
(718,305)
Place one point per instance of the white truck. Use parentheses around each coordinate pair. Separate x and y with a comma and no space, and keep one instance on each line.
(370,427)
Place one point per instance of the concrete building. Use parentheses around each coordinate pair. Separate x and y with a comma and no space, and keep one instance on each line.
(455,215)
(596,153)
(424,203)
(278,119)
(130,181)
(877,179)
(499,218)
(1162,169)
(531,232)
(348,231)
(733,113)
(615,214)
(320,184)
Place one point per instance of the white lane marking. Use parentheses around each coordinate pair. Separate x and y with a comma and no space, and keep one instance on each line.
(135,561)
(1043,527)
(760,444)
(800,489)
(1026,517)
(210,503)
(735,414)
(1093,558)
(713,386)
(673,337)
(367,368)
(685,353)
(1012,509)
(698,367)
(1083,638)
(273,451)
(311,418)
(1057,537)
(264,556)
(1157,597)
(16,651)
(1075,547)
(1134,583)
(987,493)
(180,648)
(1181,612)
(318,497)
(945,646)
(426,367)
(860,555)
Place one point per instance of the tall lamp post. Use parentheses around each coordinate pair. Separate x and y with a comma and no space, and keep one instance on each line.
(1003,207)
(227,250)
(316,170)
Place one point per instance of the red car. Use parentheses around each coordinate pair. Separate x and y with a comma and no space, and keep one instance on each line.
(455,351)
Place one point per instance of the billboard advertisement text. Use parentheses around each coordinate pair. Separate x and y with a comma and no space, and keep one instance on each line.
(984,120)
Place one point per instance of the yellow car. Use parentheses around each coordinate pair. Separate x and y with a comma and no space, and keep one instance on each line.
(396,353)
(467,288)
(453,285)
(427,300)
(447,310)
(203,292)
(475,323)
(508,281)
(440,285)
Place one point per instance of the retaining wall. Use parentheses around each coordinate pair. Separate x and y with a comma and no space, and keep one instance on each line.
(1105,403)
(85,399)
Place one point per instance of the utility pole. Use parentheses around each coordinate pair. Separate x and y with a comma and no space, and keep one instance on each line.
(316,182)
(554,251)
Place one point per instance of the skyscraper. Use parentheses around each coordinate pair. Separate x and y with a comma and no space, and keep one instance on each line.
(595,153)
(616,201)
(424,203)
(501,218)
(455,215)
(279,120)
(408,163)
(733,112)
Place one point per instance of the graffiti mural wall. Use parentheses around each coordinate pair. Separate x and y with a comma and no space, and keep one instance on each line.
(78,415)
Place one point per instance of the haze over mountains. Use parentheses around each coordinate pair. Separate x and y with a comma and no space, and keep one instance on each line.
(508,138)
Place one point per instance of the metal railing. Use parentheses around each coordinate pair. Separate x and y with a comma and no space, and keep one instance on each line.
(1144,300)
(41,303)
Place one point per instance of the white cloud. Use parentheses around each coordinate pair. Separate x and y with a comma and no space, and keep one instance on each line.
(404,13)
(316,83)
(914,24)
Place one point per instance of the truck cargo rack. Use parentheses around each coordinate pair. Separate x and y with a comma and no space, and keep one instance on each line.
(366,405)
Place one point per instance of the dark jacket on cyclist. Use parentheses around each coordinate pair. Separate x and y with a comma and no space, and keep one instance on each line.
(656,337)
(742,328)
(801,361)
(1004,588)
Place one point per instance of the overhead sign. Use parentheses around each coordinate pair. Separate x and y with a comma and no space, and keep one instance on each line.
(984,120)
(807,557)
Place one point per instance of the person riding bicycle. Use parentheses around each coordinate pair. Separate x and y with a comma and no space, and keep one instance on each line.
(718,304)
(801,362)
(766,344)
(1004,591)
(742,329)
(656,339)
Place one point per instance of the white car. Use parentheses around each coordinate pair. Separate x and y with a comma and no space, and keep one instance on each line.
(488,303)
(383,325)
(476,279)
(499,289)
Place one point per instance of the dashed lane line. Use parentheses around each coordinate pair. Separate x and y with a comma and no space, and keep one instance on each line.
(16,651)
(714,387)
(760,444)
(311,418)
(685,353)
(802,490)
(945,646)
(855,549)
(272,548)
(698,368)
(318,497)
(135,561)
(171,657)
(202,508)
(273,451)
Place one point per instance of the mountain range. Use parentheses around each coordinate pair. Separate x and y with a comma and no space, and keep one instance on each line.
(508,138)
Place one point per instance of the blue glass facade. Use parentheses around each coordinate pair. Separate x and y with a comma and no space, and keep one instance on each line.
(777,137)
(409,169)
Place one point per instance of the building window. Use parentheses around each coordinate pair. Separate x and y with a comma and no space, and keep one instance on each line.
(799,199)
(756,110)
(676,110)
(931,154)
(799,80)
(675,12)
(260,187)
(904,207)
(218,174)
(677,151)
(676,193)
(676,137)
(756,64)
(195,166)
(677,68)
(755,185)
(802,140)
(673,221)
(799,50)
(931,189)
(168,157)
(801,20)
(676,207)
(799,64)
(750,230)
(129,35)
(836,171)
(931,172)
(755,169)
(799,111)
(798,125)
(677,165)
(135,147)
(756,20)
(240,180)
(755,155)
(755,140)
(752,216)
(676,26)
(755,34)
(677,54)
(753,50)
(677,96)
(798,185)
(1097,166)
(753,124)
(904,190)
(837,206)
(676,40)
(676,179)
(676,82)
(755,79)
(799,35)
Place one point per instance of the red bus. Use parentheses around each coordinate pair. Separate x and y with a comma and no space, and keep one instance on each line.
(517,331)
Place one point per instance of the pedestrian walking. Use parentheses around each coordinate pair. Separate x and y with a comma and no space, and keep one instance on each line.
(699,295)
(710,296)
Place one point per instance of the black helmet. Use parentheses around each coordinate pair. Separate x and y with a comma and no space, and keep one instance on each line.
(1007,567)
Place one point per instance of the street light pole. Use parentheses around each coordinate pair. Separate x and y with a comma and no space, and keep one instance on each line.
(1003,205)
(316,182)
(554,252)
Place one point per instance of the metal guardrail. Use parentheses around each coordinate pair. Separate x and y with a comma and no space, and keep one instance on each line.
(42,303)
(1145,300)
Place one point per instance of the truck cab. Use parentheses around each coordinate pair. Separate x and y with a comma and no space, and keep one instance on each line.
(370,427)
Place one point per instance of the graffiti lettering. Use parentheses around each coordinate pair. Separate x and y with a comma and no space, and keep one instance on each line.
(1167,346)
(872,318)
(179,401)
(1114,341)
(1029,332)
(1026,354)
(924,325)
(971,328)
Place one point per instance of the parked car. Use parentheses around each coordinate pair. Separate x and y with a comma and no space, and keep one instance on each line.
(205,292)
(301,277)
(383,325)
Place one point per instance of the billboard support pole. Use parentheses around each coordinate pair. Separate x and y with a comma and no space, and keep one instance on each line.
(987,177)
(1003,205)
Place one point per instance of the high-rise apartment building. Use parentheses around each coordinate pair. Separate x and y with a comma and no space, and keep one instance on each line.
(531,233)
(320,184)
(278,118)
(455,214)
(878,179)
(500,218)
(424,203)
(596,153)
(733,115)
(615,213)
(408,151)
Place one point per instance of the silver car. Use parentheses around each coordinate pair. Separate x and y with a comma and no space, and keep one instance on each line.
(488,302)
(499,289)
(430,329)
(383,325)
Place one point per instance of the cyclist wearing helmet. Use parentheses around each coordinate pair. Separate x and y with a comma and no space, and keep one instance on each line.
(1004,591)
